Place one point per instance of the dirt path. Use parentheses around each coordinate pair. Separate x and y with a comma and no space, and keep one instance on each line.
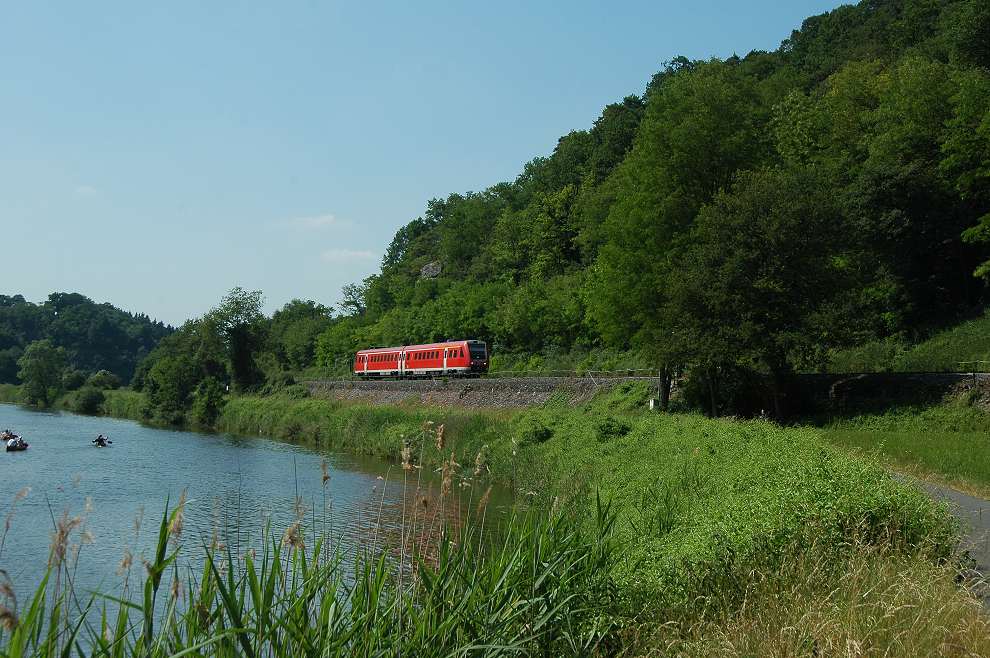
(974,513)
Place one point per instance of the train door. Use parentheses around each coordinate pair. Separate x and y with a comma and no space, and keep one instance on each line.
(402,362)
(444,371)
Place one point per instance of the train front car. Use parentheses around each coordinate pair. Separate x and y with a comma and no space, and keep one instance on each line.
(479,357)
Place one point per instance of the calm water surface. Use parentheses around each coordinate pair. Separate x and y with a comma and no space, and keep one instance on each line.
(234,485)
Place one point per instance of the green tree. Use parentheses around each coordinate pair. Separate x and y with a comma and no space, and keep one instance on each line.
(758,287)
(294,330)
(241,326)
(41,369)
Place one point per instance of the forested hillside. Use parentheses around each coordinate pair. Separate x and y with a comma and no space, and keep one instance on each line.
(752,213)
(93,336)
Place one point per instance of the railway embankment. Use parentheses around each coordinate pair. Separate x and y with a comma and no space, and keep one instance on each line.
(482,393)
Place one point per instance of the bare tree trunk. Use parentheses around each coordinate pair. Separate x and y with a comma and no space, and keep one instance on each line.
(665,382)
(712,392)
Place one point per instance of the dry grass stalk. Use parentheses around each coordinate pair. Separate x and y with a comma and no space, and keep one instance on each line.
(483,502)
(479,462)
(125,563)
(8,608)
(60,539)
(325,469)
(175,525)
(439,438)
(8,618)
(293,536)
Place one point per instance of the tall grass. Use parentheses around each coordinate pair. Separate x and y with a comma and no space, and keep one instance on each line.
(124,403)
(542,588)
(862,600)
(10,393)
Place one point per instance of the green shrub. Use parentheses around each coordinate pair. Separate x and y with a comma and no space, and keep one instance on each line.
(73,379)
(208,401)
(609,428)
(104,379)
(533,431)
(88,400)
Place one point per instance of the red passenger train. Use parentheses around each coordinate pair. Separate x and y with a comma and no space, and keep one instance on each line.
(456,357)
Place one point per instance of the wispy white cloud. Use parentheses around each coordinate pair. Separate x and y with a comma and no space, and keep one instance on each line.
(87,191)
(347,256)
(316,222)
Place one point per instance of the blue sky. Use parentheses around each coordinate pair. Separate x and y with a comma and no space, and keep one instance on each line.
(156,155)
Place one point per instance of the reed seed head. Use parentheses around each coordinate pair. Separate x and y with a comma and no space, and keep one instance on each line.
(125,563)
(439,438)
(446,480)
(484,499)
(293,536)
(479,462)
(175,525)
(8,619)
(60,538)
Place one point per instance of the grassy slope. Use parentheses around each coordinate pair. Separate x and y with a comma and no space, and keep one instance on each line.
(945,351)
(949,442)
(700,502)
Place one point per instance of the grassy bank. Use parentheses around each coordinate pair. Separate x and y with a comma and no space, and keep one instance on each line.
(700,503)
(947,442)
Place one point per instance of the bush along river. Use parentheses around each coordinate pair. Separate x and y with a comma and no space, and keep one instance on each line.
(99,510)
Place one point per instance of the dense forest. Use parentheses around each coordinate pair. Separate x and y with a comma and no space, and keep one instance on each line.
(740,221)
(92,337)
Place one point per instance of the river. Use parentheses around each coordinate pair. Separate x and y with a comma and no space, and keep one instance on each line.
(234,487)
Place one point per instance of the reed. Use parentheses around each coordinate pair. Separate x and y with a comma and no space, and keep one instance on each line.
(542,589)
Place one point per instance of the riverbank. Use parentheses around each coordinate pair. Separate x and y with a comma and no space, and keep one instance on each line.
(721,524)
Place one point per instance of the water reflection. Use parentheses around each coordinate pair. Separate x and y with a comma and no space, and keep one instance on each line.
(240,492)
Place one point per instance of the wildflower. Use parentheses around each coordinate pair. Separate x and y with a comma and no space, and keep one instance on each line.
(479,462)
